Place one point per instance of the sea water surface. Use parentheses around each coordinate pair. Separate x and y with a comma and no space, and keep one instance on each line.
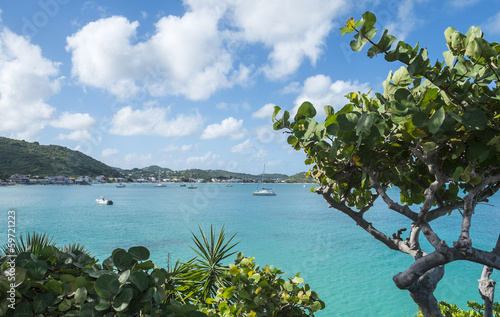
(295,231)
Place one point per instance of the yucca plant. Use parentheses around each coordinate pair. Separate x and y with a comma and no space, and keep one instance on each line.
(76,246)
(33,243)
(206,270)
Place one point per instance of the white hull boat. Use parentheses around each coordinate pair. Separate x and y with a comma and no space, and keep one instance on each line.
(103,201)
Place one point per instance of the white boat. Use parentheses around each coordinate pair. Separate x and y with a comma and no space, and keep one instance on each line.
(103,201)
(264,191)
(160,184)
(183,185)
(229,185)
(121,185)
(192,186)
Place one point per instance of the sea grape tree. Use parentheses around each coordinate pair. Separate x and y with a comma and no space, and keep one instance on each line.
(433,134)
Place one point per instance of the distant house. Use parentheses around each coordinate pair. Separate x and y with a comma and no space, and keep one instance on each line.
(19,179)
(59,180)
(98,179)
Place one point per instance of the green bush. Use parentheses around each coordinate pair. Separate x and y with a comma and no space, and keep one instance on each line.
(39,279)
(262,292)
(451,310)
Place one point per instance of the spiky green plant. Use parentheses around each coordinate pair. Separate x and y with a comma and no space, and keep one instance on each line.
(207,269)
(33,243)
(76,246)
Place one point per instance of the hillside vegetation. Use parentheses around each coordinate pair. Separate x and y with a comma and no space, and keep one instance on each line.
(31,158)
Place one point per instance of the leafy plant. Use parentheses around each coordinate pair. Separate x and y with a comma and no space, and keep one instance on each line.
(68,281)
(451,310)
(433,133)
(262,292)
(30,242)
(206,271)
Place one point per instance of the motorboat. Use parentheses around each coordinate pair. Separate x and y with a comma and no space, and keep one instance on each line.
(121,185)
(192,186)
(161,185)
(103,201)
(183,185)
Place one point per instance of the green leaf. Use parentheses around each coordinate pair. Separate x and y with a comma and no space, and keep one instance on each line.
(401,77)
(41,301)
(292,140)
(428,146)
(229,292)
(54,287)
(298,280)
(124,277)
(23,309)
(474,119)
(140,280)
(107,286)
(449,58)
(480,48)
(436,120)
(122,300)
(347,122)
(275,113)
(81,295)
(139,253)
(365,123)
(122,259)
(148,265)
(306,110)
(329,110)
(383,45)
(36,270)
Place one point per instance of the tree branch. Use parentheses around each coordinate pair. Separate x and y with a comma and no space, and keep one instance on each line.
(404,280)
(382,192)
(394,244)
(470,201)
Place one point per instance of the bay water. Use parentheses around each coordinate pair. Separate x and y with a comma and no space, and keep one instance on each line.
(295,231)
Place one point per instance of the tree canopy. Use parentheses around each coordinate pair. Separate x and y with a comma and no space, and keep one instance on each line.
(433,133)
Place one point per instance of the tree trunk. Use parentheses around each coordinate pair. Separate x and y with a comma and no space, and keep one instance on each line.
(422,292)
(487,290)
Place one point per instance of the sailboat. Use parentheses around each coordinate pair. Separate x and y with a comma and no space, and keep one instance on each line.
(264,191)
(160,184)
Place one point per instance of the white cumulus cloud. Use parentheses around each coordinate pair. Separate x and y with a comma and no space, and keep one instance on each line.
(73,121)
(321,91)
(265,112)
(105,55)
(209,156)
(242,146)
(109,152)
(293,29)
(228,128)
(492,26)
(27,81)
(77,135)
(154,121)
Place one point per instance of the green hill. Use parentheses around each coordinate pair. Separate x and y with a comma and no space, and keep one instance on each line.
(221,174)
(31,158)
(300,178)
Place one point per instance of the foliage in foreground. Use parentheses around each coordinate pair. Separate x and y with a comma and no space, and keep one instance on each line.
(70,282)
(433,133)
(451,310)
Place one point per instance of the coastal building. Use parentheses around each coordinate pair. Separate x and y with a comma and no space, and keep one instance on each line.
(19,179)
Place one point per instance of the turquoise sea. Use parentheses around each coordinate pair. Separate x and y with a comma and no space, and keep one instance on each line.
(294,230)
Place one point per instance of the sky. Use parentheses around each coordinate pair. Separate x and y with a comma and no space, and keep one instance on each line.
(193,83)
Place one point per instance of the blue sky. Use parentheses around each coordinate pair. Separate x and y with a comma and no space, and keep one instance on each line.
(192,84)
